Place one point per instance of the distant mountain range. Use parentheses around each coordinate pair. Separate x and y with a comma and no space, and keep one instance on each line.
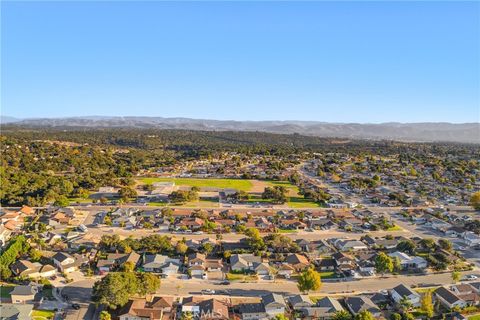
(417,132)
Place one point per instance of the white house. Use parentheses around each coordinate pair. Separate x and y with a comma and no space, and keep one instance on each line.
(64,262)
(407,262)
(274,304)
(470,238)
(449,299)
(401,292)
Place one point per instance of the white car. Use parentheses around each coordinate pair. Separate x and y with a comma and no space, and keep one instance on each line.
(471,277)
(208,291)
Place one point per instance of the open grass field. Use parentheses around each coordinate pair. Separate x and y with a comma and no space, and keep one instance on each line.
(238,184)
(475,317)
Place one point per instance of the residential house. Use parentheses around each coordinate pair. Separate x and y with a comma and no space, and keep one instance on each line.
(274,304)
(128,222)
(292,224)
(5,235)
(285,270)
(466,292)
(252,311)
(25,268)
(16,311)
(193,224)
(65,262)
(357,304)
(297,261)
(448,299)
(350,245)
(470,238)
(24,294)
(205,309)
(402,292)
(323,309)
(160,264)
(159,308)
(409,263)
(344,262)
(326,264)
(244,262)
(299,301)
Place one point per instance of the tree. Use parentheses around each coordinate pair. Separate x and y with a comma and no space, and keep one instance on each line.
(276,193)
(61,201)
(405,304)
(104,315)
(309,280)
(126,193)
(207,248)
(181,248)
(395,316)
(364,315)
(280,316)
(35,255)
(148,283)
(115,289)
(383,263)
(428,244)
(407,246)
(455,276)
(397,264)
(445,244)
(128,266)
(427,304)
(342,315)
(475,200)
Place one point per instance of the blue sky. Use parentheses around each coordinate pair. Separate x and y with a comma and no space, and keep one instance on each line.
(323,61)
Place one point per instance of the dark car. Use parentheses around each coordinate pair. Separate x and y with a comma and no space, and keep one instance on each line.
(76,306)
(224,282)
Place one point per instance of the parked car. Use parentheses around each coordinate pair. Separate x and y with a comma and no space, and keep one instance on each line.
(208,291)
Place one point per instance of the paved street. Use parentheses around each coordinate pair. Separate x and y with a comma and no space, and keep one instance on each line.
(80,292)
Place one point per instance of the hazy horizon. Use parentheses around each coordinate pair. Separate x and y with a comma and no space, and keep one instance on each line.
(234,120)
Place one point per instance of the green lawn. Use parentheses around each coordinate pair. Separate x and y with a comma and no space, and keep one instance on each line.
(79,200)
(298,202)
(327,274)
(475,317)
(394,228)
(42,314)
(5,290)
(239,184)
(286,231)
(240,277)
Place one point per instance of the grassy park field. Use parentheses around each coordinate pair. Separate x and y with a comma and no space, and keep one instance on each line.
(253,187)
(239,184)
